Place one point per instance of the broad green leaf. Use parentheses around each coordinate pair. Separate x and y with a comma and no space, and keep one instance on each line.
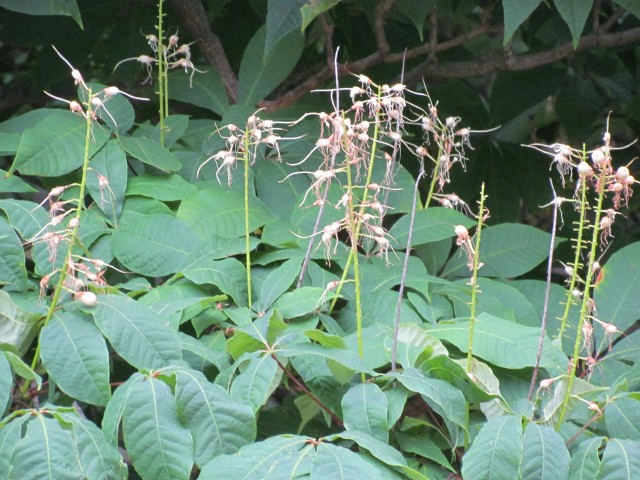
(12,184)
(421,444)
(17,326)
(50,7)
(136,332)
(45,452)
(501,343)
(344,357)
(617,294)
(622,419)
(415,345)
(21,369)
(98,458)
(430,225)
(578,103)
(631,6)
(585,461)
(383,452)
(575,14)
(621,460)
(219,424)
(545,455)
(476,390)
(12,262)
(116,111)
(220,211)
(107,179)
(277,282)
(283,17)
(159,447)
(167,188)
(153,245)
(312,9)
(228,275)
(175,126)
(75,355)
(301,301)
(281,457)
(332,462)
(115,409)
(56,145)
(496,452)
(204,90)
(257,382)
(515,13)
(443,395)
(26,217)
(6,381)
(507,250)
(10,434)
(364,409)
(416,11)
(260,74)
(150,152)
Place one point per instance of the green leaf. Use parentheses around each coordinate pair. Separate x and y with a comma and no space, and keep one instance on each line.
(496,452)
(575,14)
(17,326)
(10,434)
(383,452)
(204,90)
(175,126)
(75,355)
(415,345)
(314,8)
(6,382)
(50,7)
(166,188)
(430,225)
(475,390)
(437,393)
(545,454)
(622,419)
(364,409)
(338,463)
(46,452)
(256,383)
(416,11)
(13,184)
(159,447)
(116,111)
(228,275)
(150,152)
(22,369)
(153,245)
(621,460)
(26,217)
(277,282)
(136,332)
(260,74)
(507,250)
(56,145)
(631,6)
(220,211)
(501,342)
(301,301)
(283,17)
(218,423)
(98,458)
(108,165)
(115,409)
(344,357)
(617,294)
(12,262)
(515,13)
(585,461)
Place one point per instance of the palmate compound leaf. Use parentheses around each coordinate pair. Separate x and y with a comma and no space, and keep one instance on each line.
(496,452)
(158,445)
(136,332)
(153,244)
(285,457)
(47,451)
(545,455)
(219,424)
(75,355)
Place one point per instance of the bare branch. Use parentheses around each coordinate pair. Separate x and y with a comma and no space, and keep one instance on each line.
(193,16)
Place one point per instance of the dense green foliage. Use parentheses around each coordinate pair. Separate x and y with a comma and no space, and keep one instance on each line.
(212,272)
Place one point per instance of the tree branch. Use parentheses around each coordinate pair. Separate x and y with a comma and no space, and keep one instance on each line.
(193,16)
